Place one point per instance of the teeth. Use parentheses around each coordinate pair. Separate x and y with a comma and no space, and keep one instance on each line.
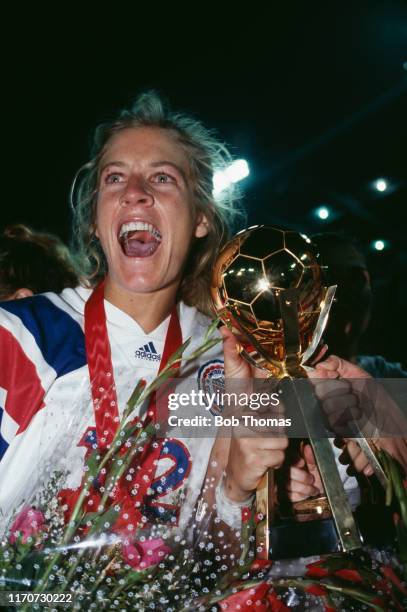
(134,226)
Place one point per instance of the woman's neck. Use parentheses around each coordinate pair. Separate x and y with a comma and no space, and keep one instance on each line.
(148,309)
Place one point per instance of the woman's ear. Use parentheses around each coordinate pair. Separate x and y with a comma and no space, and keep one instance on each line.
(202,226)
(21,293)
(94,230)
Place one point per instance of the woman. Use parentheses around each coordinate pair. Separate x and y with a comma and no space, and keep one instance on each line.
(146,230)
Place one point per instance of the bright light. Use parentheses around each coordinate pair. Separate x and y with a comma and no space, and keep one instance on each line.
(306,239)
(322,212)
(234,173)
(262,284)
(381,185)
(379,245)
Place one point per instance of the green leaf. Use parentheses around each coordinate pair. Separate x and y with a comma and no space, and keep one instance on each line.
(133,576)
(211,329)
(178,353)
(109,516)
(92,464)
(135,396)
(202,349)
(90,516)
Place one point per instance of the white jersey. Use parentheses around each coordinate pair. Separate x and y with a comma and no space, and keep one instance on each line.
(48,420)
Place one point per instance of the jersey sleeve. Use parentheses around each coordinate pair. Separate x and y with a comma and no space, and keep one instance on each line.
(21,369)
(39,342)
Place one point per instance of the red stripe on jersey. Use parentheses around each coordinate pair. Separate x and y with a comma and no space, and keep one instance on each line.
(19,377)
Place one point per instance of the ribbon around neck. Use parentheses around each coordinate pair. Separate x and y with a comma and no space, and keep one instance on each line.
(100,365)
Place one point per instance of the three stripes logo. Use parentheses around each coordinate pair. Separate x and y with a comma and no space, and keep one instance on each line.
(148,351)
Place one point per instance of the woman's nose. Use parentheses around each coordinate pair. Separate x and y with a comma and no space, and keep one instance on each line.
(136,192)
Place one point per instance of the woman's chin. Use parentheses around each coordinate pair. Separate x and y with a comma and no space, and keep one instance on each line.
(140,285)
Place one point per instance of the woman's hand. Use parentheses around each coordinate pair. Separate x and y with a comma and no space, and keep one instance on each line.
(249,457)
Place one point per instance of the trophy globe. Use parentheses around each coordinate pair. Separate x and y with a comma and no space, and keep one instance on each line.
(267,284)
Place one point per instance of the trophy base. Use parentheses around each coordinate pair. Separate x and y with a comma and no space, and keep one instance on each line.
(303,539)
(312,509)
(294,539)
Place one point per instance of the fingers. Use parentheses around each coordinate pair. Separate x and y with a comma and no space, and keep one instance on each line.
(313,373)
(353,454)
(325,389)
(331,364)
(235,366)
(328,368)
(298,491)
(303,477)
(347,402)
(340,403)
(250,458)
(301,484)
(336,367)
(255,445)
(269,459)
(309,456)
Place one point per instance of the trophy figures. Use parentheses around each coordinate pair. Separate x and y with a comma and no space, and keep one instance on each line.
(267,284)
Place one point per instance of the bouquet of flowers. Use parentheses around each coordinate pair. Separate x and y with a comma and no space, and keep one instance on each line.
(98,543)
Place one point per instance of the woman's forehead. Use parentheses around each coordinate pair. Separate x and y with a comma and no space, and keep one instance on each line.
(146,143)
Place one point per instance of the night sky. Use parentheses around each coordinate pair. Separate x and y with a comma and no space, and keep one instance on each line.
(313,96)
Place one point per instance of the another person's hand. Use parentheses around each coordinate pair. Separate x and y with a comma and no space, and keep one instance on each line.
(339,399)
(353,456)
(304,479)
(249,457)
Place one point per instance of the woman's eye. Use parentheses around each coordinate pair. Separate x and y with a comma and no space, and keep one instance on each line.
(162,177)
(113,178)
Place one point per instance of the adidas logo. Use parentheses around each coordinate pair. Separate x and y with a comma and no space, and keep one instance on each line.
(148,351)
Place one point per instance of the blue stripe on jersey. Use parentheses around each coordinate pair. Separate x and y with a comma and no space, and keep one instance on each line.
(3,443)
(58,336)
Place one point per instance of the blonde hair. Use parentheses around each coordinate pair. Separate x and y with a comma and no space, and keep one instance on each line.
(206,155)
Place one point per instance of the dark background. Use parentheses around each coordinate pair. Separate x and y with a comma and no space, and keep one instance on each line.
(313,95)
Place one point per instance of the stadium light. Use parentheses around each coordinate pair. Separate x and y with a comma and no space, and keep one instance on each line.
(234,173)
(381,185)
(379,245)
(322,212)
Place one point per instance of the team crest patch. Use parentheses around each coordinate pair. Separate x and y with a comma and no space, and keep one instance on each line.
(211,380)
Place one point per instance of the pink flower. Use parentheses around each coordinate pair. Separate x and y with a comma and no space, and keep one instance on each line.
(28,523)
(141,555)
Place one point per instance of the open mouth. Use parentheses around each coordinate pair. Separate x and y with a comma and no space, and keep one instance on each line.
(139,239)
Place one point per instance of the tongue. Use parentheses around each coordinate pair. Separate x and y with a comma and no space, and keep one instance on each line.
(139,244)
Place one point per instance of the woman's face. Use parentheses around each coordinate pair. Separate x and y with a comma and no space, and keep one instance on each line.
(144,217)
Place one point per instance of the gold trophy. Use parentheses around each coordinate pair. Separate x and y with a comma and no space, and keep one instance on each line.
(267,284)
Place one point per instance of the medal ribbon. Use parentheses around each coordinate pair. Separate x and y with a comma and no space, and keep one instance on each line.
(100,366)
